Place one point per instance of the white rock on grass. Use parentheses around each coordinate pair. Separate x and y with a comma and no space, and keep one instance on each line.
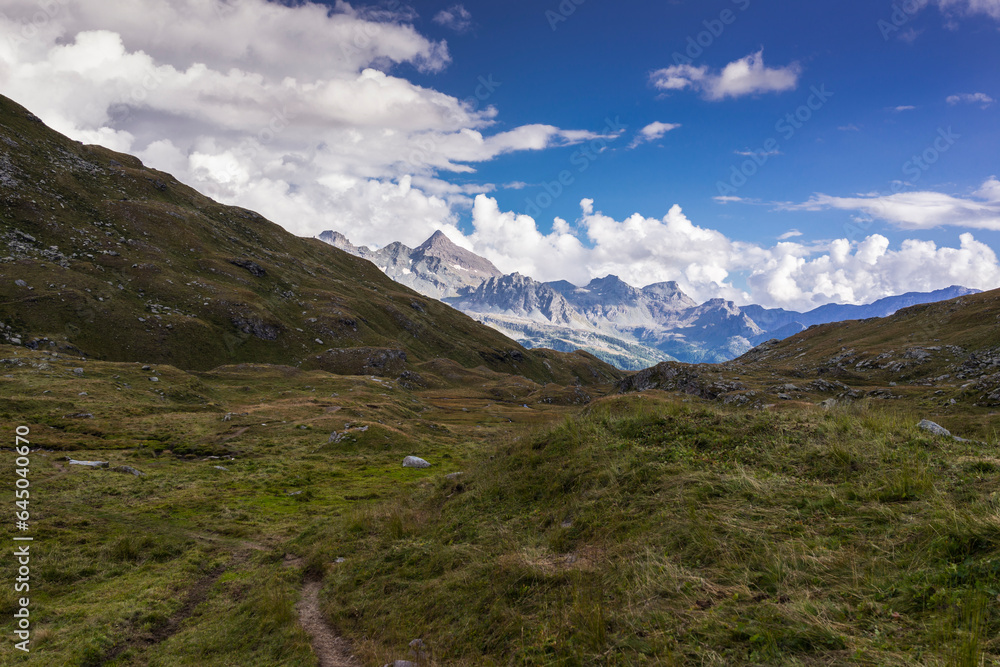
(415,462)
(89,464)
(931,427)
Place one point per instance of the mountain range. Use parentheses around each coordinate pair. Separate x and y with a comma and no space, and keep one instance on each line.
(626,326)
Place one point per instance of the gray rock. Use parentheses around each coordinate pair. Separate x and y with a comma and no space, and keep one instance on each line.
(78,371)
(129,470)
(454,475)
(220,468)
(931,427)
(829,403)
(154,379)
(89,464)
(401,663)
(20,283)
(415,462)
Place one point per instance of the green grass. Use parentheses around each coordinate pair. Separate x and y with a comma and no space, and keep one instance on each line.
(660,532)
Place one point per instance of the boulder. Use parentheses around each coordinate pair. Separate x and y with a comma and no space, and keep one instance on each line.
(89,464)
(128,470)
(931,427)
(415,462)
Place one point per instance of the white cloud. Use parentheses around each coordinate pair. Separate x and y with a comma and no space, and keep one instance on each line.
(790,234)
(749,153)
(971,98)
(903,108)
(653,132)
(849,128)
(455,17)
(920,210)
(989,7)
(746,76)
(708,264)
(297,110)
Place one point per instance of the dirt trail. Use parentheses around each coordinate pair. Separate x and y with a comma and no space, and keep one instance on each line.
(331,650)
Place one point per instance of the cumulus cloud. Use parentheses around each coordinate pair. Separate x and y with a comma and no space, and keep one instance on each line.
(652,132)
(971,98)
(746,76)
(905,107)
(455,17)
(708,264)
(298,110)
(920,210)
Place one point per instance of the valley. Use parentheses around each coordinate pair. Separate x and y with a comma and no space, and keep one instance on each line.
(246,400)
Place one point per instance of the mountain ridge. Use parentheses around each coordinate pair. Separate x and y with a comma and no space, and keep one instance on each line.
(112,260)
(624,325)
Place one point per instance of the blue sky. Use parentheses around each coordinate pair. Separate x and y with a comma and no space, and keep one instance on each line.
(597,61)
(866,132)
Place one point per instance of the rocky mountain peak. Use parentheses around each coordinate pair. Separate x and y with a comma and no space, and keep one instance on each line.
(440,247)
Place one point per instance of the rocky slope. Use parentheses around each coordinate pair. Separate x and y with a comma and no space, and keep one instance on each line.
(943,358)
(103,256)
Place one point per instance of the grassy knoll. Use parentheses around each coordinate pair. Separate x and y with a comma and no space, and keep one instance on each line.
(653,530)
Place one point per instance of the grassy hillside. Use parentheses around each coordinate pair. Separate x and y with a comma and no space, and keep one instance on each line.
(651,531)
(101,255)
(941,360)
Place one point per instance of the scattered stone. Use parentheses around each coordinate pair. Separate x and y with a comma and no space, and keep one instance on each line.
(83,393)
(20,283)
(89,464)
(221,468)
(293,493)
(931,427)
(253,267)
(80,415)
(339,559)
(454,475)
(146,368)
(829,404)
(418,649)
(415,462)
(154,379)
(78,371)
(129,470)
(401,663)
